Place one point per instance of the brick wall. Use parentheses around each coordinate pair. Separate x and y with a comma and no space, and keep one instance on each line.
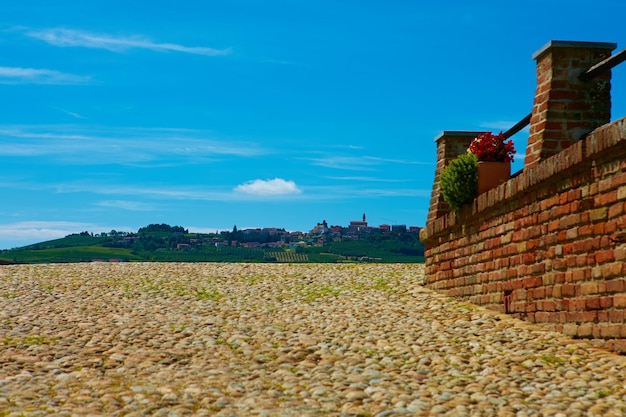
(548,246)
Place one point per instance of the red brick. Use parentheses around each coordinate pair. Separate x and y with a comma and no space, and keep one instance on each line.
(605,256)
(553,226)
(549,305)
(598,229)
(590,316)
(532,282)
(611,270)
(568,290)
(608,331)
(619,346)
(591,259)
(607,198)
(606,302)
(619,300)
(610,227)
(584,330)
(559,264)
(592,303)
(574,316)
(585,230)
(518,307)
(577,304)
(587,288)
(539,293)
(578,275)
(555,317)
(615,285)
(616,210)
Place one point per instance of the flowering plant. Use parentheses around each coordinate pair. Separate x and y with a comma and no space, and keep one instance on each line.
(490,147)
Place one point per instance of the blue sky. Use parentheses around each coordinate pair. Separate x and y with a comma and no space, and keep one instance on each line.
(282,113)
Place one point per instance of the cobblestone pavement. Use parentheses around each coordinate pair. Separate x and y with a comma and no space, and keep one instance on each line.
(174,339)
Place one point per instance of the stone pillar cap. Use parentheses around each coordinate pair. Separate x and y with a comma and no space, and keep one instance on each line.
(573,44)
(461,133)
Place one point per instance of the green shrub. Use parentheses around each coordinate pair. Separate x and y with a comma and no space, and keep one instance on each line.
(459,181)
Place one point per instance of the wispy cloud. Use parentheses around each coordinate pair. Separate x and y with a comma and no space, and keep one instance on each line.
(74,38)
(341,192)
(395,161)
(351,163)
(70,143)
(153,191)
(359,163)
(250,191)
(126,205)
(275,187)
(366,179)
(18,75)
(73,114)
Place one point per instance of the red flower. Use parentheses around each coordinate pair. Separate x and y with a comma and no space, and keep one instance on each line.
(490,147)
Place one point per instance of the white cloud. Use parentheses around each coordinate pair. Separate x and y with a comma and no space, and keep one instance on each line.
(277,186)
(17,75)
(68,37)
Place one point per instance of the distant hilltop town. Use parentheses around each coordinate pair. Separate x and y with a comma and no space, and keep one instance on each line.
(357,242)
(358,228)
(321,234)
(267,237)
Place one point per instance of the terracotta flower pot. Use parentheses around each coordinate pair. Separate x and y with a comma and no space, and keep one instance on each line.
(492,174)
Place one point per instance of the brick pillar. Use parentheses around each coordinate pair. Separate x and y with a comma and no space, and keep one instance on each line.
(450,144)
(566,108)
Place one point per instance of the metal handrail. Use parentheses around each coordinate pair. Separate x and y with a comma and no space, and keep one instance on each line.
(603,65)
(518,126)
(593,71)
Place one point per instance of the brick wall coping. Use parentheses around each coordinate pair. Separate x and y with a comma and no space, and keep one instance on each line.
(557,44)
(608,139)
(467,133)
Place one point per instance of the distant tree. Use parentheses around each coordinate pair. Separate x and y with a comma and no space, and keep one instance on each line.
(162,228)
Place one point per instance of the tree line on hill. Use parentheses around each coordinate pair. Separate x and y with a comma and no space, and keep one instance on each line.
(162,242)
